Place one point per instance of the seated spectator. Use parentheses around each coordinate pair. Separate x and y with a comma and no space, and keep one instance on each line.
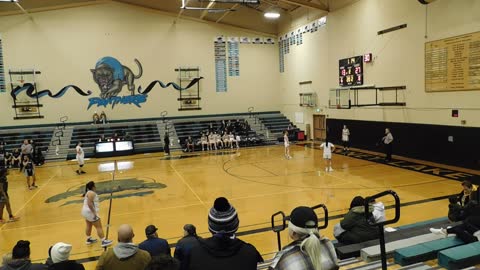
(16,158)
(163,262)
(204,141)
(223,250)
(218,140)
(154,245)
(461,204)
(184,245)
(96,119)
(125,255)
(468,231)
(226,140)
(237,140)
(308,250)
(378,212)
(103,118)
(354,227)
(21,258)
(212,141)
(189,143)
(58,258)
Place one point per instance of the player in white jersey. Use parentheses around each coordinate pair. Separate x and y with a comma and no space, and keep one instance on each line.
(328,148)
(286,143)
(226,140)
(80,157)
(204,141)
(237,141)
(211,141)
(345,139)
(90,210)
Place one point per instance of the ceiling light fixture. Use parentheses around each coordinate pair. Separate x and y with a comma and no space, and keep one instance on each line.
(271,15)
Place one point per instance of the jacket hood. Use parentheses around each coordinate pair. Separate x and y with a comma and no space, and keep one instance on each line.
(221,245)
(19,264)
(125,250)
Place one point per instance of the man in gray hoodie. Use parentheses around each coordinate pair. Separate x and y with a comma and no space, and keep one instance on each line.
(125,255)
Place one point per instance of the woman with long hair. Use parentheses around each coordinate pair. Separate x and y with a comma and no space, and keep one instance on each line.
(308,251)
(328,148)
(286,143)
(90,209)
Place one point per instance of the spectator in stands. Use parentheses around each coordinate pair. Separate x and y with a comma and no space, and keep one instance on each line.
(166,143)
(308,251)
(231,139)
(378,211)
(95,118)
(354,227)
(21,258)
(154,245)
(103,118)
(29,171)
(102,138)
(211,141)
(204,141)
(223,250)
(4,198)
(189,144)
(388,143)
(460,205)
(218,140)
(226,140)
(469,230)
(16,158)
(125,255)
(163,262)
(184,245)
(58,258)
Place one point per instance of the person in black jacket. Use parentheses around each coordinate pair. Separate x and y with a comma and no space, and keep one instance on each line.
(460,205)
(354,226)
(184,245)
(223,250)
(166,144)
(21,258)
(154,245)
(58,258)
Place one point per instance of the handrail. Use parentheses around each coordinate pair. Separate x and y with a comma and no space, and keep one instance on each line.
(279,228)
(381,225)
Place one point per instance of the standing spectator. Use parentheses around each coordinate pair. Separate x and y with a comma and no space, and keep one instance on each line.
(388,141)
(328,148)
(223,250)
(166,143)
(184,245)
(154,245)
(90,209)
(125,255)
(4,198)
(308,251)
(345,139)
(103,118)
(59,254)
(21,258)
(29,171)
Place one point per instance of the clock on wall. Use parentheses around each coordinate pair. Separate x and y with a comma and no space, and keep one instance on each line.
(351,71)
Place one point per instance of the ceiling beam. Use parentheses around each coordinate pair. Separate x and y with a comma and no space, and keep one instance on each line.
(304,3)
(226,13)
(205,12)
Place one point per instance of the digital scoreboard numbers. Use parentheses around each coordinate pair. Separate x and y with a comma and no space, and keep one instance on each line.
(351,71)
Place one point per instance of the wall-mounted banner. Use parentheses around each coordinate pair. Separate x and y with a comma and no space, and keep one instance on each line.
(220,64)
(2,70)
(110,76)
(233,57)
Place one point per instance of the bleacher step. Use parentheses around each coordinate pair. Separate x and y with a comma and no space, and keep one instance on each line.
(370,266)
(417,266)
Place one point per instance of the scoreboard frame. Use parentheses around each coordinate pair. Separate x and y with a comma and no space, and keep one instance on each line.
(350,71)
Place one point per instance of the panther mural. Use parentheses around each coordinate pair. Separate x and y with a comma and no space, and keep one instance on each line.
(111,76)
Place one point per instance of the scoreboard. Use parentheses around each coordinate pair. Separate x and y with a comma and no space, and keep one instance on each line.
(351,71)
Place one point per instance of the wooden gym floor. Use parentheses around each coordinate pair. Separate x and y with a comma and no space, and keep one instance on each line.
(152,189)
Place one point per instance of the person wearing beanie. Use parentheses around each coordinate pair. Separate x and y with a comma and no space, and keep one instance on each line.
(223,250)
(21,258)
(58,258)
(354,227)
(154,245)
(125,255)
(308,251)
(185,245)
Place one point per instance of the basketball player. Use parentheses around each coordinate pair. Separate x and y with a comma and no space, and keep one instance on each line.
(345,139)
(4,199)
(211,141)
(328,148)
(80,158)
(204,141)
(387,141)
(90,209)
(29,171)
(286,143)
